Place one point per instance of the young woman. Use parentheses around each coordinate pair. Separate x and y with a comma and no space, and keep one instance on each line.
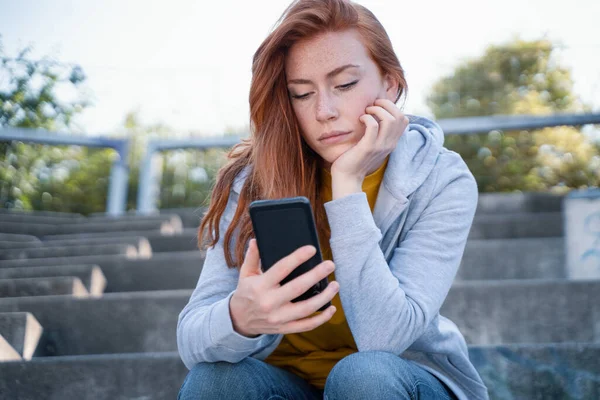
(393,209)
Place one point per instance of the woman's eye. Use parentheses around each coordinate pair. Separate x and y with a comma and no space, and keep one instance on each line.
(300,97)
(347,86)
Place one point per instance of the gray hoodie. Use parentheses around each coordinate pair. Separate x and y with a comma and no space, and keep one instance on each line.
(395,267)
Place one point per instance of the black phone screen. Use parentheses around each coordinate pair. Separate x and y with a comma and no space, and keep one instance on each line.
(284,230)
(282,226)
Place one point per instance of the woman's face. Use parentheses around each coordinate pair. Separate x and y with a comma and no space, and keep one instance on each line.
(331,80)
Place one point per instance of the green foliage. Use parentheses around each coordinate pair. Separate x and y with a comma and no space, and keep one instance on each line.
(188,177)
(34,176)
(76,179)
(29,99)
(518,78)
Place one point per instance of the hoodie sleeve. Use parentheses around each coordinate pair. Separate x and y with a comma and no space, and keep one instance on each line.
(398,301)
(204,329)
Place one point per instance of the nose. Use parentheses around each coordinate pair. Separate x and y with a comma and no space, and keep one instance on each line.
(326,107)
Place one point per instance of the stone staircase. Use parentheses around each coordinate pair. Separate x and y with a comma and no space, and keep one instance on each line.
(89,305)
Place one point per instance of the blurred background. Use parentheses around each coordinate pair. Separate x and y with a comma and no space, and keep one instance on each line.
(153,69)
(121,106)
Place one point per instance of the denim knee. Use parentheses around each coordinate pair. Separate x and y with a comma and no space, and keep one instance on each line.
(365,375)
(223,380)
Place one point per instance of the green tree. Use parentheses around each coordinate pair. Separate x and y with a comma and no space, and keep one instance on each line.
(72,178)
(29,99)
(520,77)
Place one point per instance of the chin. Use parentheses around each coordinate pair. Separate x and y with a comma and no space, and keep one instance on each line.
(334,153)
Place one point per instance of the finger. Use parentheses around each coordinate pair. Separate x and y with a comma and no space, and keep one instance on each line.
(371,131)
(305,308)
(302,283)
(251,264)
(286,265)
(308,324)
(381,113)
(393,109)
(387,121)
(390,107)
(393,126)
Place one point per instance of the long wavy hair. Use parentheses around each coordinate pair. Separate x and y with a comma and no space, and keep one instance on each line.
(281,163)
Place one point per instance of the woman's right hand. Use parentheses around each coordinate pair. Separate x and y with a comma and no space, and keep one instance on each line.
(261,305)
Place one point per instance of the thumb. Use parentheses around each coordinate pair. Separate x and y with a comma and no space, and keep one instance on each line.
(251,264)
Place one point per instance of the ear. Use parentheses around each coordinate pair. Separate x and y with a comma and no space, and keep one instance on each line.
(390,85)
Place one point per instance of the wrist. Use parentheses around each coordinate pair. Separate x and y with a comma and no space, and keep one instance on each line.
(235,322)
(343,185)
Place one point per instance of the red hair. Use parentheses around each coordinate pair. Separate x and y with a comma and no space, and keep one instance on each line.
(281,163)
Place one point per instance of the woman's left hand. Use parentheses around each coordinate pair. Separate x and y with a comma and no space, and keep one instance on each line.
(379,140)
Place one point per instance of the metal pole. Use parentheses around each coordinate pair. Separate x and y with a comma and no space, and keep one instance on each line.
(145,199)
(116,202)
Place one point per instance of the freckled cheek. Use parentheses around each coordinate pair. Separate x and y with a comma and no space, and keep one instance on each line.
(308,128)
(357,109)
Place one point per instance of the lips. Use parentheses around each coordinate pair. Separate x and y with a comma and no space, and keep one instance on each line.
(332,134)
(335,139)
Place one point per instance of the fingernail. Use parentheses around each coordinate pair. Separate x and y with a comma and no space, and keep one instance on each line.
(335,286)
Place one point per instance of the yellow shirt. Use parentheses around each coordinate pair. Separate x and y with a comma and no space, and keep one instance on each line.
(312,355)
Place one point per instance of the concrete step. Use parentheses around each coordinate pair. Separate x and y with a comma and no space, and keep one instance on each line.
(7,245)
(27,218)
(485,225)
(181,269)
(42,262)
(488,203)
(7,352)
(11,237)
(109,234)
(535,372)
(73,251)
(94,377)
(164,271)
(115,323)
(530,202)
(22,331)
(178,270)
(190,217)
(90,275)
(172,218)
(517,225)
(24,218)
(524,258)
(139,242)
(186,241)
(539,372)
(525,311)
(12,211)
(41,230)
(539,311)
(47,286)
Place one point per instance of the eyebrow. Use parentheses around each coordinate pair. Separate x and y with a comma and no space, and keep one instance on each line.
(329,74)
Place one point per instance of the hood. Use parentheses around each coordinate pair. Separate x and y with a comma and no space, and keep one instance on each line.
(410,163)
(414,157)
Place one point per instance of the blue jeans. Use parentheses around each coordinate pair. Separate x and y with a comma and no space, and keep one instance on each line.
(362,375)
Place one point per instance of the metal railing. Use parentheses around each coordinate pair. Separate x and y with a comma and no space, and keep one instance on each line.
(119,173)
(148,184)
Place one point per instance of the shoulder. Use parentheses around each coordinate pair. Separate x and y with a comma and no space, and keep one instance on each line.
(451,170)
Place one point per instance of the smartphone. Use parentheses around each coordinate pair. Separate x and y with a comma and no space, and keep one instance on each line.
(281,226)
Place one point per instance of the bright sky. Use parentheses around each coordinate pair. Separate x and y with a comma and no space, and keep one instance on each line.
(187,63)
